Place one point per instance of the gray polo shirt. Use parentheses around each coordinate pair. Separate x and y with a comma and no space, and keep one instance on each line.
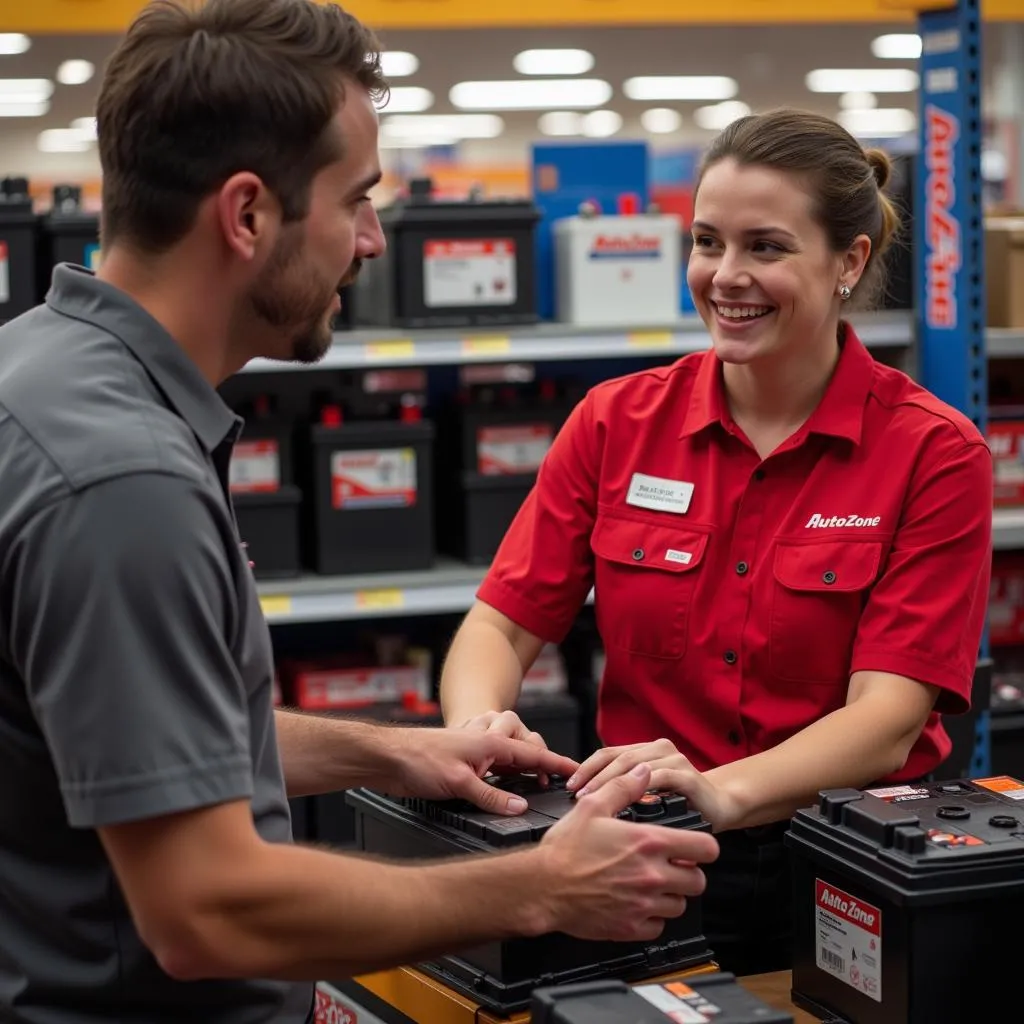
(135,663)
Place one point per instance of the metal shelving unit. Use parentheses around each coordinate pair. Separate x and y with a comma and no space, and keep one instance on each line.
(546,342)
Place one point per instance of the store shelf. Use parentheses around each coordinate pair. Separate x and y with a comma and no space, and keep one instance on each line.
(1004,342)
(545,342)
(1008,529)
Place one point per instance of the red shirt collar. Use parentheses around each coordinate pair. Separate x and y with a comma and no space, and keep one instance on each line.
(840,413)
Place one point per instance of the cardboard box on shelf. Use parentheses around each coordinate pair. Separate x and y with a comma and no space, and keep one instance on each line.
(1004,270)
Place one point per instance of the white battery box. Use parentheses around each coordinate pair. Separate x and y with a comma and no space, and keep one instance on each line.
(618,270)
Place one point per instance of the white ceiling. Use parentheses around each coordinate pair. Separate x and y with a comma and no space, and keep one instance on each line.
(769,63)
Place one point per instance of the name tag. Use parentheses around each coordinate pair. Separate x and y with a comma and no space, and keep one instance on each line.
(659,494)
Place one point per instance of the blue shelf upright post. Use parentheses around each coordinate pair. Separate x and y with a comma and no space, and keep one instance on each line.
(949,231)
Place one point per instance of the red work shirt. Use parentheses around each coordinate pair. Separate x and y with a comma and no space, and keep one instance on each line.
(734,596)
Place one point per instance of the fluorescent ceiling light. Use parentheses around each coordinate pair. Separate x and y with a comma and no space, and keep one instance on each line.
(546,94)
(680,87)
(23,108)
(719,116)
(62,140)
(858,101)
(561,122)
(441,126)
(86,125)
(25,90)
(399,63)
(601,124)
(862,80)
(75,72)
(661,120)
(884,122)
(900,46)
(13,43)
(994,165)
(408,99)
(553,62)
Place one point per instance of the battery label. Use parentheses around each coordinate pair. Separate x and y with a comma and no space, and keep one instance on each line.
(679,1003)
(848,939)
(374,478)
(469,272)
(899,794)
(332,1007)
(1004,785)
(512,449)
(255,467)
(5,274)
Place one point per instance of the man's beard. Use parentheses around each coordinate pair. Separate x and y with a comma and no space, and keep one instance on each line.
(289,297)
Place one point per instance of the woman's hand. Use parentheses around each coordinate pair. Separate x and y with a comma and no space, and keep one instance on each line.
(669,770)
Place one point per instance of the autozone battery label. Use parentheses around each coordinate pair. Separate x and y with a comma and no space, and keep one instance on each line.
(512,449)
(631,246)
(848,939)
(469,272)
(373,478)
(255,467)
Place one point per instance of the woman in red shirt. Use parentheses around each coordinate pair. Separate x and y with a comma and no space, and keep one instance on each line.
(788,542)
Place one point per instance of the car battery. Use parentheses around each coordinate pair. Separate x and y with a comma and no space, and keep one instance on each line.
(701,999)
(905,898)
(370,486)
(618,269)
(452,263)
(67,234)
(18,248)
(501,975)
(495,435)
(266,499)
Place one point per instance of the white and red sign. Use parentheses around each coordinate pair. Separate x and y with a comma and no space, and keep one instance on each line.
(373,478)
(512,449)
(632,245)
(848,939)
(255,467)
(469,272)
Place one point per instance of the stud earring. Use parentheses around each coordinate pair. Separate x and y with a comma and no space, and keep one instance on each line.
(844,292)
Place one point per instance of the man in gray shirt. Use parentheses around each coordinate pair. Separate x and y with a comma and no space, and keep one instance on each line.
(146,867)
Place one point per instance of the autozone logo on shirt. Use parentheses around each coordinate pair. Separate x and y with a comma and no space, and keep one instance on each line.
(818,520)
(629,246)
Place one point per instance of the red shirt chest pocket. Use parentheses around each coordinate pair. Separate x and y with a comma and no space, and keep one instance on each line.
(819,591)
(644,578)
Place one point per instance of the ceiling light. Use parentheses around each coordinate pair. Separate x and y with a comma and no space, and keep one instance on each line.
(553,62)
(994,165)
(601,124)
(75,72)
(407,99)
(23,108)
(718,117)
(561,122)
(661,120)
(86,125)
(62,140)
(399,63)
(13,43)
(26,89)
(546,94)
(878,124)
(680,87)
(901,46)
(858,101)
(862,80)
(450,127)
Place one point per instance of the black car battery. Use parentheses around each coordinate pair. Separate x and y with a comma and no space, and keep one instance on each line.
(68,233)
(501,976)
(496,434)
(701,999)
(18,249)
(370,485)
(905,901)
(452,263)
(266,499)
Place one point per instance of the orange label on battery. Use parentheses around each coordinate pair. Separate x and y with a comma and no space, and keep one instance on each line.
(1004,785)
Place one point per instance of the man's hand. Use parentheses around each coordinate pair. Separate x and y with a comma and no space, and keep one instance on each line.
(444,764)
(669,770)
(610,879)
(504,723)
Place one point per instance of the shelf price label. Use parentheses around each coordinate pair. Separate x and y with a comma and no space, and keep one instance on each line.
(393,348)
(276,604)
(650,339)
(379,600)
(485,345)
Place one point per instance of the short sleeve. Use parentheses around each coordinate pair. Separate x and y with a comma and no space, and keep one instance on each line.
(121,610)
(543,569)
(926,614)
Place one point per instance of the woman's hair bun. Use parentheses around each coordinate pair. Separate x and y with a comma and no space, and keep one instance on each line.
(880,165)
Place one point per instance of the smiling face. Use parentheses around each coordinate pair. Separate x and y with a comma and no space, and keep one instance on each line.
(762,274)
(296,291)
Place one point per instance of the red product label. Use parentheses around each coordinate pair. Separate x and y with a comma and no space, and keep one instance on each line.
(461,248)
(255,467)
(848,908)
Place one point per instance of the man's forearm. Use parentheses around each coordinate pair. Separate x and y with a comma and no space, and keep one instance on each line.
(482,673)
(321,754)
(850,747)
(305,914)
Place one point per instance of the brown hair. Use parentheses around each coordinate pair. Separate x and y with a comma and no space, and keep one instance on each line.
(195,94)
(847,180)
